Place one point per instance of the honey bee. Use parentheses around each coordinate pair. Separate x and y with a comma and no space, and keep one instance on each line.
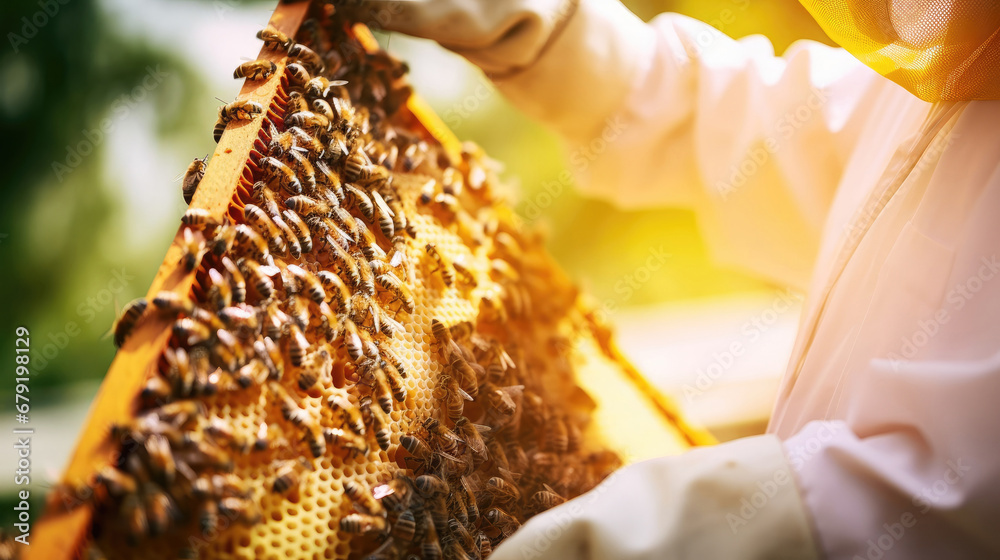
(379,424)
(352,341)
(483,545)
(268,353)
(361,201)
(238,283)
(308,57)
(258,277)
(503,491)
(369,244)
(395,382)
(500,399)
(395,494)
(386,217)
(197,217)
(130,315)
(300,229)
(322,107)
(471,500)
(454,397)
(156,390)
(362,499)
(208,517)
(448,442)
(250,374)
(297,103)
(350,413)
(192,177)
(405,526)
(160,509)
(274,39)
(466,375)
(307,206)
(547,498)
(429,485)
(308,121)
(239,110)
(250,239)
(220,127)
(464,274)
(326,177)
(180,413)
(288,236)
(308,283)
(275,170)
(502,521)
(223,239)
(380,387)
(219,293)
(346,264)
(472,435)
(345,220)
(135,519)
(317,365)
(359,523)
(115,482)
(243,511)
(430,549)
(336,290)
(161,458)
(357,166)
(171,302)
(304,169)
(262,443)
(345,440)
(298,346)
(277,323)
(442,264)
(255,70)
(290,409)
(555,438)
(316,86)
(194,249)
(287,476)
(298,76)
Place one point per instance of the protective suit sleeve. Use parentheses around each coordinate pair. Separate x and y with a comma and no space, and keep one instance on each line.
(673,113)
(736,501)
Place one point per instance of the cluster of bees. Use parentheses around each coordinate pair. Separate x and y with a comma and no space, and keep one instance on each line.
(306,293)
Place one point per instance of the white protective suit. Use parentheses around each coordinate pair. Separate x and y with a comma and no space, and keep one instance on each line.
(815,171)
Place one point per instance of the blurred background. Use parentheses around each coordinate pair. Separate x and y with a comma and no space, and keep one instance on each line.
(103,104)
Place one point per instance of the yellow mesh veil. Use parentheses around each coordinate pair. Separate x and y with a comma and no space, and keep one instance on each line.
(939,50)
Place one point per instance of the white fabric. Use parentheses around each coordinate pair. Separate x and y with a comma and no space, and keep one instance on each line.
(673,507)
(816,172)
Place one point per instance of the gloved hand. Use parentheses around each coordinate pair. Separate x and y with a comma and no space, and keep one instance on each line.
(734,501)
(500,37)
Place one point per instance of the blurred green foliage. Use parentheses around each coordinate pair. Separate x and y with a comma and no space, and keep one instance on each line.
(62,236)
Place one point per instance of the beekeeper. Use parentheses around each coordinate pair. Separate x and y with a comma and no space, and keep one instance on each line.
(868,177)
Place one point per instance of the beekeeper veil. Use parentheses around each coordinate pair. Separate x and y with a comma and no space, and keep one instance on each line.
(940,50)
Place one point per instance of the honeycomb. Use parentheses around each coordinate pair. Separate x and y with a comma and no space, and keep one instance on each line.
(372,360)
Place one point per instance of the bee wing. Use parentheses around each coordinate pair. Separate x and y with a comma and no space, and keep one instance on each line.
(464,394)
(270,270)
